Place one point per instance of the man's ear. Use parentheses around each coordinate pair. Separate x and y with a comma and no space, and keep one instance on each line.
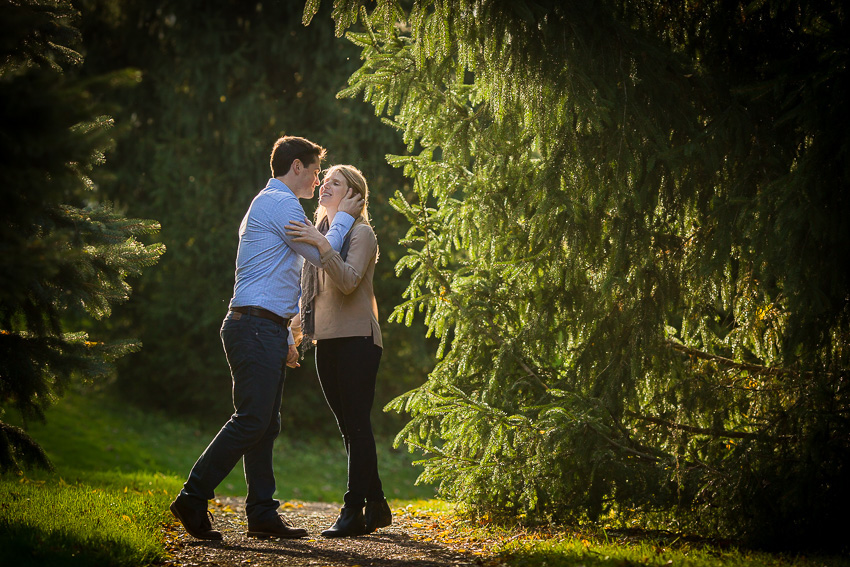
(296,166)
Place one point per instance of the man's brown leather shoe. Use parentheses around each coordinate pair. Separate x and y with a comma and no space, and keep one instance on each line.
(196,522)
(277,527)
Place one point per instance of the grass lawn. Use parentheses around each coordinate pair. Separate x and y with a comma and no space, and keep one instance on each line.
(93,433)
(591,546)
(110,520)
(575,551)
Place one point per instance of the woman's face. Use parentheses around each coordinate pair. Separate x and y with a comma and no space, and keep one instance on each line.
(333,190)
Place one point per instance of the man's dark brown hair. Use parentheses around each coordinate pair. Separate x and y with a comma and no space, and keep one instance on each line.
(290,148)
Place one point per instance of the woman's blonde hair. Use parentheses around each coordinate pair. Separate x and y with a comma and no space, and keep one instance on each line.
(355,180)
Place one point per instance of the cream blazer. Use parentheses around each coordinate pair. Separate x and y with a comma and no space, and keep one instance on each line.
(345,305)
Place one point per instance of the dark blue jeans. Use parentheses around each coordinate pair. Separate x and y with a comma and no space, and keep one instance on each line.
(347,369)
(256,351)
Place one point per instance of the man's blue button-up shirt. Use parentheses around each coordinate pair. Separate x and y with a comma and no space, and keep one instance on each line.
(268,263)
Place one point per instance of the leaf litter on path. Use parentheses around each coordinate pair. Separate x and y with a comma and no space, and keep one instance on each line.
(413,540)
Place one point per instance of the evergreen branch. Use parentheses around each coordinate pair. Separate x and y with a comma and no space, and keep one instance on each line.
(496,337)
(703,430)
(694,465)
(729,363)
(450,457)
(376,45)
(16,445)
(628,450)
(494,334)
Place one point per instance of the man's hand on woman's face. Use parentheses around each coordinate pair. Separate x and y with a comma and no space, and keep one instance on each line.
(352,203)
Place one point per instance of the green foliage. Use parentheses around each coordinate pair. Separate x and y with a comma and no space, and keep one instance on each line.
(629,234)
(220,82)
(66,255)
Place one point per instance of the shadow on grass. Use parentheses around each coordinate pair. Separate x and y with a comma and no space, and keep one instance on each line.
(28,546)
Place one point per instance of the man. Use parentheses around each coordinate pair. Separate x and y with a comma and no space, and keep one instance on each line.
(255,339)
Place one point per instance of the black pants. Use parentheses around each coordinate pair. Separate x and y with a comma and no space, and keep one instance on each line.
(347,369)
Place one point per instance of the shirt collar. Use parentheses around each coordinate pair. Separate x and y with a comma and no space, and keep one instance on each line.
(277,184)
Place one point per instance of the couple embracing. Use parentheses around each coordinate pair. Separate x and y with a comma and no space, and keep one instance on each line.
(264,325)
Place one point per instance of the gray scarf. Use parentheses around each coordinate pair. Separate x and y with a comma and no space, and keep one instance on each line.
(310,288)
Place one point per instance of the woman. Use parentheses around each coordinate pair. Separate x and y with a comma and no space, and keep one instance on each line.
(339,313)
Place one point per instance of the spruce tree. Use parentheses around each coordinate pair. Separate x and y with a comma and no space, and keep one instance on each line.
(629,234)
(66,255)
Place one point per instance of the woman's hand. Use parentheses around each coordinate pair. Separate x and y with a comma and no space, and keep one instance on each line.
(305,232)
(292,357)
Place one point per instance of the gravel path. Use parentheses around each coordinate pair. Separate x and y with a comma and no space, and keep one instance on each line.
(410,541)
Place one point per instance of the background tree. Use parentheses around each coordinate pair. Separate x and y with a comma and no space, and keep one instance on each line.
(629,233)
(65,254)
(220,82)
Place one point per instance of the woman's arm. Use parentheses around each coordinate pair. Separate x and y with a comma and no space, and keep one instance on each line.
(297,233)
(348,274)
(306,233)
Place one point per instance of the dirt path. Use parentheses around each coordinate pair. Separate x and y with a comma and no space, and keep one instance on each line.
(410,541)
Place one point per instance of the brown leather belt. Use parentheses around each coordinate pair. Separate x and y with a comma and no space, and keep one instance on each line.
(263,313)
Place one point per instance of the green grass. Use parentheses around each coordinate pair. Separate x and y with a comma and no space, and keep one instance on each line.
(574,550)
(591,546)
(94,433)
(113,520)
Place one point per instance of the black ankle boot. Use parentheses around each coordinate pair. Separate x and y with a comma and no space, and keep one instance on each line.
(378,515)
(350,523)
